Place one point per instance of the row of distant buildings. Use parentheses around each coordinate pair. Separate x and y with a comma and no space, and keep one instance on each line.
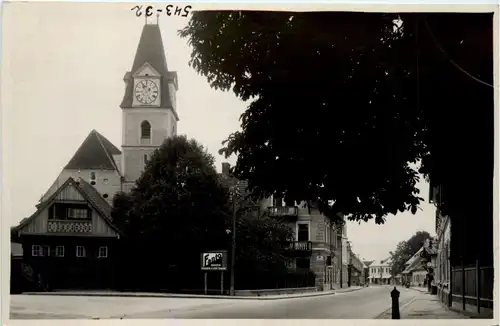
(456,264)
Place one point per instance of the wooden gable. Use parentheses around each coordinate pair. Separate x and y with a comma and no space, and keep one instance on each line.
(96,223)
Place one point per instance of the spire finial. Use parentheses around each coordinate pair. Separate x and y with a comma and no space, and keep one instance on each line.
(157,19)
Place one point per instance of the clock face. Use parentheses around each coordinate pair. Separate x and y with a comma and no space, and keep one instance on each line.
(146,91)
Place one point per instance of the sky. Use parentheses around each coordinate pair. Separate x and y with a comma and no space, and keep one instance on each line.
(63,67)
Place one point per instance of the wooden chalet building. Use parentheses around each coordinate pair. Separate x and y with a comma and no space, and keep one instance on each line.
(70,240)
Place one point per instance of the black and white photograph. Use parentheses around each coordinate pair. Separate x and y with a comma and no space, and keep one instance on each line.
(195,161)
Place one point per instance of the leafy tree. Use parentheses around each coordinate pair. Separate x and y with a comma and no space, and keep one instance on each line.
(177,202)
(344,105)
(406,249)
(260,240)
(260,243)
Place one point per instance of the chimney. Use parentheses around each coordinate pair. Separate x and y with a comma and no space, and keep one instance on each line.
(225,169)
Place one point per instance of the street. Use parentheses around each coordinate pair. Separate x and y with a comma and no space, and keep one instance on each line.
(366,303)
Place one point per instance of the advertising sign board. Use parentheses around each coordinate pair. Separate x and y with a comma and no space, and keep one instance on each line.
(214,260)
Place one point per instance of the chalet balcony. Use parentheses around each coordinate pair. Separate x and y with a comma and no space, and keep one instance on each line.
(283,211)
(298,248)
(67,226)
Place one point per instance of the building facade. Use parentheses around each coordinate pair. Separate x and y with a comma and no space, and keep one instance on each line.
(318,239)
(443,267)
(380,272)
(464,274)
(356,270)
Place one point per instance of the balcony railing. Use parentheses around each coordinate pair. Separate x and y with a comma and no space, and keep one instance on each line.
(65,226)
(298,248)
(279,211)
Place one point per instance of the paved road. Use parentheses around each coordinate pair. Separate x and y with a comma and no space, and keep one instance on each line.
(363,304)
(94,307)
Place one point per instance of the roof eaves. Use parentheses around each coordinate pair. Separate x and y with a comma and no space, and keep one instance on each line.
(43,205)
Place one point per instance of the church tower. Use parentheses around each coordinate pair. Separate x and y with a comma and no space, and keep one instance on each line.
(149,105)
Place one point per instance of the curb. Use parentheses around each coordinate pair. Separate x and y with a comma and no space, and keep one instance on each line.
(185,296)
(419,290)
(192,296)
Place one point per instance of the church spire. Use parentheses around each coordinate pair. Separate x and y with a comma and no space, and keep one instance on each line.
(151,50)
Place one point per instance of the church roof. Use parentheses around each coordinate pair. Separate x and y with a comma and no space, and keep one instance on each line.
(96,152)
(150,50)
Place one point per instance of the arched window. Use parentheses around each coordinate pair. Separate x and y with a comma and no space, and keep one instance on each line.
(145,130)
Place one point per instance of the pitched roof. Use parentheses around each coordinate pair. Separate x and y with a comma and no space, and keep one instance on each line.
(87,191)
(150,50)
(96,152)
(368,262)
(96,198)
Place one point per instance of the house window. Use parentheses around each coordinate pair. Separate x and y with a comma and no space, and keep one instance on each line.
(103,252)
(77,213)
(145,159)
(145,130)
(80,251)
(60,251)
(302,232)
(36,251)
(46,251)
(278,201)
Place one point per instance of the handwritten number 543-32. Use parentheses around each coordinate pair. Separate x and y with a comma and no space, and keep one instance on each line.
(170,10)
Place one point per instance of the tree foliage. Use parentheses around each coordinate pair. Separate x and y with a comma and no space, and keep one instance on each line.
(344,105)
(260,243)
(177,202)
(406,249)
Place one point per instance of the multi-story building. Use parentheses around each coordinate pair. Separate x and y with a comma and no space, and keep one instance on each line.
(443,268)
(380,272)
(317,237)
(319,244)
(356,270)
(366,268)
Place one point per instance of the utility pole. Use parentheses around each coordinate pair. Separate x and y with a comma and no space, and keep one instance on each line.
(341,260)
(233,246)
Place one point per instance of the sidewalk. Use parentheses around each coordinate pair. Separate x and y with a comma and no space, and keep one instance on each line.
(351,289)
(171,295)
(420,289)
(425,306)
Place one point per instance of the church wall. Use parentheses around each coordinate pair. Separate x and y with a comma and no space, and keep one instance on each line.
(118,161)
(109,187)
(134,161)
(132,119)
(172,91)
